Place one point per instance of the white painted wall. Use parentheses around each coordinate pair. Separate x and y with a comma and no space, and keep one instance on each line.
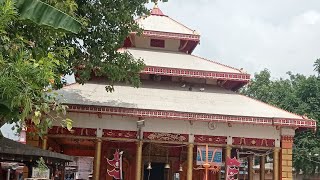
(144,42)
(174,126)
(287,132)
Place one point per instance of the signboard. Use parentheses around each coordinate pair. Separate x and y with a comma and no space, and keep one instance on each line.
(213,151)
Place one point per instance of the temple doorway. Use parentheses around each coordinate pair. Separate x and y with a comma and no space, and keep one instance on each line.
(156,173)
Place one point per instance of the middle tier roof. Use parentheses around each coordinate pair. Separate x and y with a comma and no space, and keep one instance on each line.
(185,65)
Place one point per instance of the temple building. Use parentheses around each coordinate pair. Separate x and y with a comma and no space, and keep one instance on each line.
(161,130)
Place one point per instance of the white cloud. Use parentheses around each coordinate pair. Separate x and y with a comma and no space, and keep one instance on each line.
(311,17)
(279,35)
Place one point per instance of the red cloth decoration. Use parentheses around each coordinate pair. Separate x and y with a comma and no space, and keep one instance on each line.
(116,163)
(232,168)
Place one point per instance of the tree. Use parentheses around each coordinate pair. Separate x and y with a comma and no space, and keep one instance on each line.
(108,24)
(30,63)
(298,94)
(34,55)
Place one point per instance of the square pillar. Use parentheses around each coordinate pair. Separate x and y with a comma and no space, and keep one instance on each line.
(250,167)
(286,157)
(190,161)
(262,167)
(276,163)
(97,160)
(139,160)
(227,154)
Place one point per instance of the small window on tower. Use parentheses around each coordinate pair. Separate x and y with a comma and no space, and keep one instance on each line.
(157,43)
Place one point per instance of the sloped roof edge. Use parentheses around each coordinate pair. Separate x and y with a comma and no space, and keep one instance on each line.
(13,148)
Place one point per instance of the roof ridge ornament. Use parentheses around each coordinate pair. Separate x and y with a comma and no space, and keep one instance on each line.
(156,1)
(155,4)
(156,10)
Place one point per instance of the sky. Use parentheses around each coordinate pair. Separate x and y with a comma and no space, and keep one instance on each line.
(278,35)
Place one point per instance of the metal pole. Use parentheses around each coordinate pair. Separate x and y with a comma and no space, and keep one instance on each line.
(207,157)
(8,174)
(121,178)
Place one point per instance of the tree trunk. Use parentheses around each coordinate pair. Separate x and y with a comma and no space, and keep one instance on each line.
(2,122)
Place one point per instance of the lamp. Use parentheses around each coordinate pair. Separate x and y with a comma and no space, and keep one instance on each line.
(180,168)
(167,166)
(149,163)
(149,166)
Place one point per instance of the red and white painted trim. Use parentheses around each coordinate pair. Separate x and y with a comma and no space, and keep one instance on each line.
(210,139)
(119,134)
(196,73)
(253,142)
(147,113)
(169,35)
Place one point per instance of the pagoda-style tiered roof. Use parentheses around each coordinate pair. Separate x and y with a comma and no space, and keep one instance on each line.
(192,88)
(170,100)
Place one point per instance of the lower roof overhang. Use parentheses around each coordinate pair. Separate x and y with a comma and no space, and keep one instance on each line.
(174,115)
(233,81)
(15,151)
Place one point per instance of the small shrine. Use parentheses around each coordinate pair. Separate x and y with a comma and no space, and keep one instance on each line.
(186,119)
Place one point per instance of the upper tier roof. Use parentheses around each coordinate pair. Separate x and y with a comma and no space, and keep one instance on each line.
(170,97)
(179,60)
(157,21)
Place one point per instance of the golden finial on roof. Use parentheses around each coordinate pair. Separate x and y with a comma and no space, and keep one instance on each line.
(156,2)
(155,10)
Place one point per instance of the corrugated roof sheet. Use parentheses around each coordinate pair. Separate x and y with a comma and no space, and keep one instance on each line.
(179,60)
(172,97)
(9,148)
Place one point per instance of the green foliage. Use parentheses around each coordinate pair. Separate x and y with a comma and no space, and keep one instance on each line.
(317,66)
(7,13)
(44,14)
(108,24)
(41,165)
(298,94)
(30,67)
